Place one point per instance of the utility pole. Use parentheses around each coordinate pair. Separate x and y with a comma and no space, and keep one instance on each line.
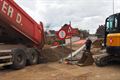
(113,6)
(70,41)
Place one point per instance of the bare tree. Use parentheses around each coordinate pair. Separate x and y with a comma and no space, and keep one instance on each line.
(100,31)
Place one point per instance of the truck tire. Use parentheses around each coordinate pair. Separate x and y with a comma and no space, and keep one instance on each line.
(33,56)
(19,59)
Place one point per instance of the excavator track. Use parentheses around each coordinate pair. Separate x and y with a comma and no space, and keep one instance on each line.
(105,59)
(102,60)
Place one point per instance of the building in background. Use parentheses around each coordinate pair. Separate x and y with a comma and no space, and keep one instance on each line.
(51,36)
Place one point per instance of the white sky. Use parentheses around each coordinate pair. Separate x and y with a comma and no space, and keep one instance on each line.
(84,14)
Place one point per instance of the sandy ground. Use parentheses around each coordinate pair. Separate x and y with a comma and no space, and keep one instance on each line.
(57,71)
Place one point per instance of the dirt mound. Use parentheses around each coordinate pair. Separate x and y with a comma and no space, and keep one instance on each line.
(52,55)
(98,43)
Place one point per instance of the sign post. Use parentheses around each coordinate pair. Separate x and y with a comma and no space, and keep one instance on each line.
(62,54)
(70,33)
(71,46)
(62,35)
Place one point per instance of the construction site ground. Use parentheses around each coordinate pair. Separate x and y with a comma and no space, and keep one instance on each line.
(53,70)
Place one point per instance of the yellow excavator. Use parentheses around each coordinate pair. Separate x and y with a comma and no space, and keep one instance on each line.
(111,41)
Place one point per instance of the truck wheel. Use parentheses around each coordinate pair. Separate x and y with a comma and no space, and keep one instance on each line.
(19,59)
(33,56)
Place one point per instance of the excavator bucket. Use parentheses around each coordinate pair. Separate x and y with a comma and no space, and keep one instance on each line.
(86,59)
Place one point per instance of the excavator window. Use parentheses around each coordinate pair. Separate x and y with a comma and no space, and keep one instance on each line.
(116,22)
(109,24)
(112,24)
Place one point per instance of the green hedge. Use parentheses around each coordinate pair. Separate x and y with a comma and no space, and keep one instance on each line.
(59,41)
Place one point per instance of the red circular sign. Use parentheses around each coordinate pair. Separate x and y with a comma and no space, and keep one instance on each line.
(62,34)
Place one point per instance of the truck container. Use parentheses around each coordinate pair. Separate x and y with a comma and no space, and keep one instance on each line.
(21,38)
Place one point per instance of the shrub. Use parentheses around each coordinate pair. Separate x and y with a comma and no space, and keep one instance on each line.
(98,42)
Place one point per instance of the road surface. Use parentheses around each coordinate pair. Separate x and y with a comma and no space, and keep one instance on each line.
(56,71)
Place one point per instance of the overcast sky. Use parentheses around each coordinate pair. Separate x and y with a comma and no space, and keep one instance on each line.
(84,14)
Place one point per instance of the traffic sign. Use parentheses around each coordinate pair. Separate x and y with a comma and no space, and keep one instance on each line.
(62,34)
(65,31)
(69,29)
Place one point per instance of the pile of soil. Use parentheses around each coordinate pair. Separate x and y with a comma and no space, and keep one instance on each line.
(95,51)
(98,43)
(53,55)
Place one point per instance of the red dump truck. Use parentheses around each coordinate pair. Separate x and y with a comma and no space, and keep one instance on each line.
(21,38)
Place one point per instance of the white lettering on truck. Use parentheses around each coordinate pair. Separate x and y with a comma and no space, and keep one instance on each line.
(4,7)
(18,18)
(9,10)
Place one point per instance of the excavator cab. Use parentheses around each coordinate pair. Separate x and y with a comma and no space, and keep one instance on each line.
(112,34)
